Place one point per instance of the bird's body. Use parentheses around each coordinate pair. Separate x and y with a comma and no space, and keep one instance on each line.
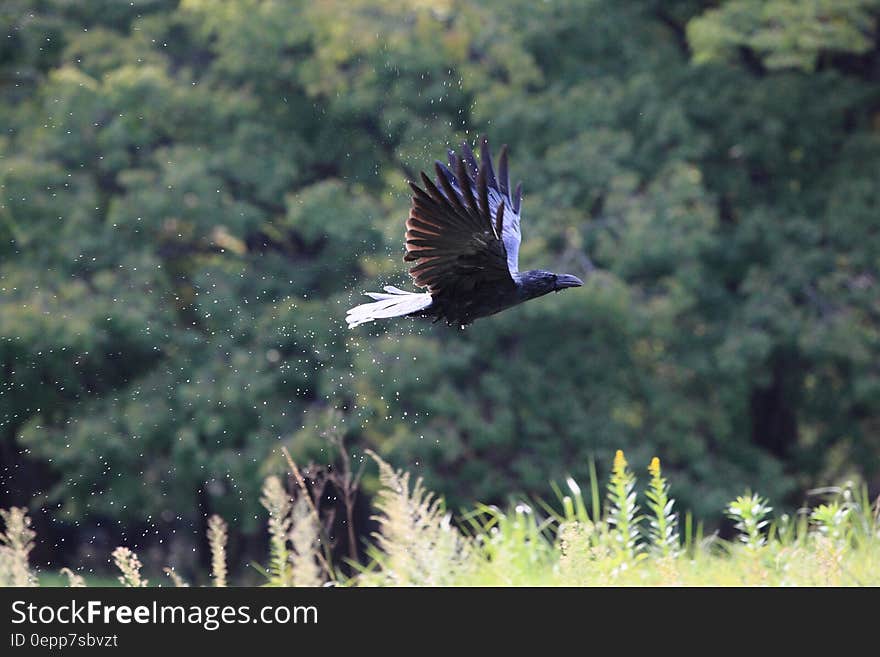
(463,236)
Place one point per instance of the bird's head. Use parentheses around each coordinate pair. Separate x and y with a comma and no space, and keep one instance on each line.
(537,283)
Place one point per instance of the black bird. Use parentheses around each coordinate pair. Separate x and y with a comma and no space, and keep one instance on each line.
(463,235)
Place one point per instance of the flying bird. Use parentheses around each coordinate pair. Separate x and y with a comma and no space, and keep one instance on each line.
(463,238)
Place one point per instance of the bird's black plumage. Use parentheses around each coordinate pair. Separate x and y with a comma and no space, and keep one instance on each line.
(463,236)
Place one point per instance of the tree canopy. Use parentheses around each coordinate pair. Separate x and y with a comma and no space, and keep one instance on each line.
(192,194)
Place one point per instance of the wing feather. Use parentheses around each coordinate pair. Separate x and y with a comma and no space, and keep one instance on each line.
(458,228)
(470,158)
(498,193)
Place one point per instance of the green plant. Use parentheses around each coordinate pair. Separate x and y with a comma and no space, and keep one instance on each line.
(419,544)
(416,543)
(831,520)
(750,512)
(304,531)
(663,529)
(623,510)
(277,502)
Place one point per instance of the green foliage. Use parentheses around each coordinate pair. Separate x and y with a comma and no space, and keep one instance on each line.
(623,509)
(785,33)
(416,543)
(831,520)
(519,547)
(192,194)
(750,513)
(663,529)
(278,504)
(294,536)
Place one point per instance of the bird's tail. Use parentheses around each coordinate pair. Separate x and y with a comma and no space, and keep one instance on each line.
(393,303)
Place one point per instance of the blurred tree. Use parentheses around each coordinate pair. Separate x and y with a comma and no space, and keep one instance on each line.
(785,33)
(192,194)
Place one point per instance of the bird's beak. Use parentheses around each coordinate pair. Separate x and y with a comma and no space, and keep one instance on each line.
(567,280)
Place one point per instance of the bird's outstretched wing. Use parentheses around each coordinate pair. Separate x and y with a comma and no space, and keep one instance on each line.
(499,193)
(460,233)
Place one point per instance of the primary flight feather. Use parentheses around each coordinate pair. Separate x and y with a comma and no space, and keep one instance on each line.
(463,238)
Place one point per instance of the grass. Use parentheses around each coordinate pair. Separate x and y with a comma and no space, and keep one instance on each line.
(624,537)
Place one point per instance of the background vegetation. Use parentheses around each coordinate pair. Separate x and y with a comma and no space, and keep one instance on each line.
(592,540)
(192,193)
